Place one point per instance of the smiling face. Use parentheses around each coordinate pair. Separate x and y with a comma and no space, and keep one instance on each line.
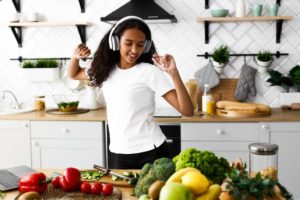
(131,47)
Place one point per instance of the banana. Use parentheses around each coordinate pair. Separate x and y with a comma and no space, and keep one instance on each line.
(176,177)
(212,193)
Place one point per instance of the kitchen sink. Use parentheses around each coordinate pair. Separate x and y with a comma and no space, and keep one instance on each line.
(12,111)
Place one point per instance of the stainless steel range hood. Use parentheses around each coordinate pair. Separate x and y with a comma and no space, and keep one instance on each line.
(145,9)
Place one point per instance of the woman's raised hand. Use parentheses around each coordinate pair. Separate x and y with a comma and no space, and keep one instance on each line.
(81,51)
(166,63)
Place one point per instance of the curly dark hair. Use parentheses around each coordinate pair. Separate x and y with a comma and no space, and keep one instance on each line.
(105,59)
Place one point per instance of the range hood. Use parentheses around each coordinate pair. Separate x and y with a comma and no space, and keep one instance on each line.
(145,9)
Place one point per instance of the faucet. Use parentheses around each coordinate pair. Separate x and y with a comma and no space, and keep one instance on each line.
(17,105)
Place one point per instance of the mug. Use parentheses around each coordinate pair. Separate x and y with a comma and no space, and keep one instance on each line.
(257,9)
(33,17)
(273,9)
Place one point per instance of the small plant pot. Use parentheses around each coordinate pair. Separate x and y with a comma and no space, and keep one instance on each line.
(261,69)
(262,63)
(42,74)
(287,98)
(219,67)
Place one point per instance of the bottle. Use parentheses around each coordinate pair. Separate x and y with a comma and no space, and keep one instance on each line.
(206,97)
(240,8)
(39,102)
(264,159)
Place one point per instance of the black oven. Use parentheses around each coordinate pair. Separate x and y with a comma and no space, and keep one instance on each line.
(171,131)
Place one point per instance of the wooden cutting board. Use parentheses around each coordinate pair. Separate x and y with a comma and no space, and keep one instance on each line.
(233,113)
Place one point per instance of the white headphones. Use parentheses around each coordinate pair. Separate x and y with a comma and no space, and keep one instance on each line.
(114,42)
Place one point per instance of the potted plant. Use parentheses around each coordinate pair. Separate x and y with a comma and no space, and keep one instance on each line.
(263,60)
(220,58)
(41,70)
(287,82)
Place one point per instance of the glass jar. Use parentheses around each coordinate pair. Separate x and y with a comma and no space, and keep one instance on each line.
(263,158)
(39,102)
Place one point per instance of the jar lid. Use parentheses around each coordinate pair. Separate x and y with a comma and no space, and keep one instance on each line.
(263,148)
(39,96)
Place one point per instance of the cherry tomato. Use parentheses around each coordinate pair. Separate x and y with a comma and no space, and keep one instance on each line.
(55,182)
(107,189)
(96,188)
(85,187)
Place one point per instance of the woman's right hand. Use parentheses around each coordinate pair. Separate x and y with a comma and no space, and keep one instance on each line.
(81,51)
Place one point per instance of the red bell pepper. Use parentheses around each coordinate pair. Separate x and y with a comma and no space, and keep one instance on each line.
(70,180)
(34,182)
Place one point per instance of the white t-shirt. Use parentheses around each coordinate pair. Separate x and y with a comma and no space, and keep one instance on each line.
(130,105)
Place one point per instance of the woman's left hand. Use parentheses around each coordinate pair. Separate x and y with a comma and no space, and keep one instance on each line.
(166,63)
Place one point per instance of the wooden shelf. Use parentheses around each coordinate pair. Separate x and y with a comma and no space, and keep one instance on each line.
(17,4)
(207,20)
(16,28)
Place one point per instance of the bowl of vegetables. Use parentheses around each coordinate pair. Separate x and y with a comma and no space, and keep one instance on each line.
(66,103)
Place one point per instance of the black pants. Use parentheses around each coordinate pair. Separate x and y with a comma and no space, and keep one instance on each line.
(137,160)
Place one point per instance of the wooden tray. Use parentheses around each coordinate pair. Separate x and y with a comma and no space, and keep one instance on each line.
(55,111)
(242,113)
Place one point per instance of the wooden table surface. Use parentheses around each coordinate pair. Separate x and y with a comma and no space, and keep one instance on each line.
(125,188)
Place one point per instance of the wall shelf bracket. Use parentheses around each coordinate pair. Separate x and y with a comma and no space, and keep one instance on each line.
(278,2)
(82,5)
(17,31)
(206,4)
(206,32)
(17,4)
(82,33)
(278,30)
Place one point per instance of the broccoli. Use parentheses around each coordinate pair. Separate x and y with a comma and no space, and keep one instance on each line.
(207,162)
(161,169)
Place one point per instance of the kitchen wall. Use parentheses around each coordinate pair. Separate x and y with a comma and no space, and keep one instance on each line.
(184,40)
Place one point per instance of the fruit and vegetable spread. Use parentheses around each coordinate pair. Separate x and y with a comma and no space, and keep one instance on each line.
(201,175)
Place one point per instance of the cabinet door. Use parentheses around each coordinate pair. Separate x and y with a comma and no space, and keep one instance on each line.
(14,143)
(58,153)
(287,137)
(229,140)
(61,144)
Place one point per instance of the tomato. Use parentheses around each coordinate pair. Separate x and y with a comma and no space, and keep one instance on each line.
(55,182)
(85,187)
(107,189)
(96,188)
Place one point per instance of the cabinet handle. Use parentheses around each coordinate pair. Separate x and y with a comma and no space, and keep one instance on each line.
(65,130)
(25,124)
(169,141)
(35,144)
(220,132)
(264,127)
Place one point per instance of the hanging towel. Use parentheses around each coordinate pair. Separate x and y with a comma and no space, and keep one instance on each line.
(207,75)
(246,83)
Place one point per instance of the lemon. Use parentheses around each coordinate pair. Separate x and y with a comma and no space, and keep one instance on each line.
(195,181)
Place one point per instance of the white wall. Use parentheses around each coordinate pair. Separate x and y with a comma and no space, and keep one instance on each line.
(184,39)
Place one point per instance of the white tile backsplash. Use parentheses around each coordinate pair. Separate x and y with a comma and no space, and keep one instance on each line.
(184,39)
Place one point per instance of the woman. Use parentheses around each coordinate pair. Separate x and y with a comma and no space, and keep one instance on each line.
(123,67)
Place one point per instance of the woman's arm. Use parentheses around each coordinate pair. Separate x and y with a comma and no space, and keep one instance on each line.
(74,70)
(178,98)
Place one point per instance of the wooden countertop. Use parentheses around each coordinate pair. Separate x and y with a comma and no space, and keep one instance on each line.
(278,115)
(126,189)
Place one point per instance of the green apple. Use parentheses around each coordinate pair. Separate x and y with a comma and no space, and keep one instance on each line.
(144,197)
(175,191)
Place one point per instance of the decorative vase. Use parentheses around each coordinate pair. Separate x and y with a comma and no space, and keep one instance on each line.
(240,8)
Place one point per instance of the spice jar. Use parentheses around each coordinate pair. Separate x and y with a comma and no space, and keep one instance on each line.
(39,102)
(263,158)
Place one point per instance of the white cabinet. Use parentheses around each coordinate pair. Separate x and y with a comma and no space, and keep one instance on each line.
(14,143)
(229,140)
(287,136)
(61,144)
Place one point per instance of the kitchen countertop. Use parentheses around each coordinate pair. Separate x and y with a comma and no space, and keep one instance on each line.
(278,115)
(126,189)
